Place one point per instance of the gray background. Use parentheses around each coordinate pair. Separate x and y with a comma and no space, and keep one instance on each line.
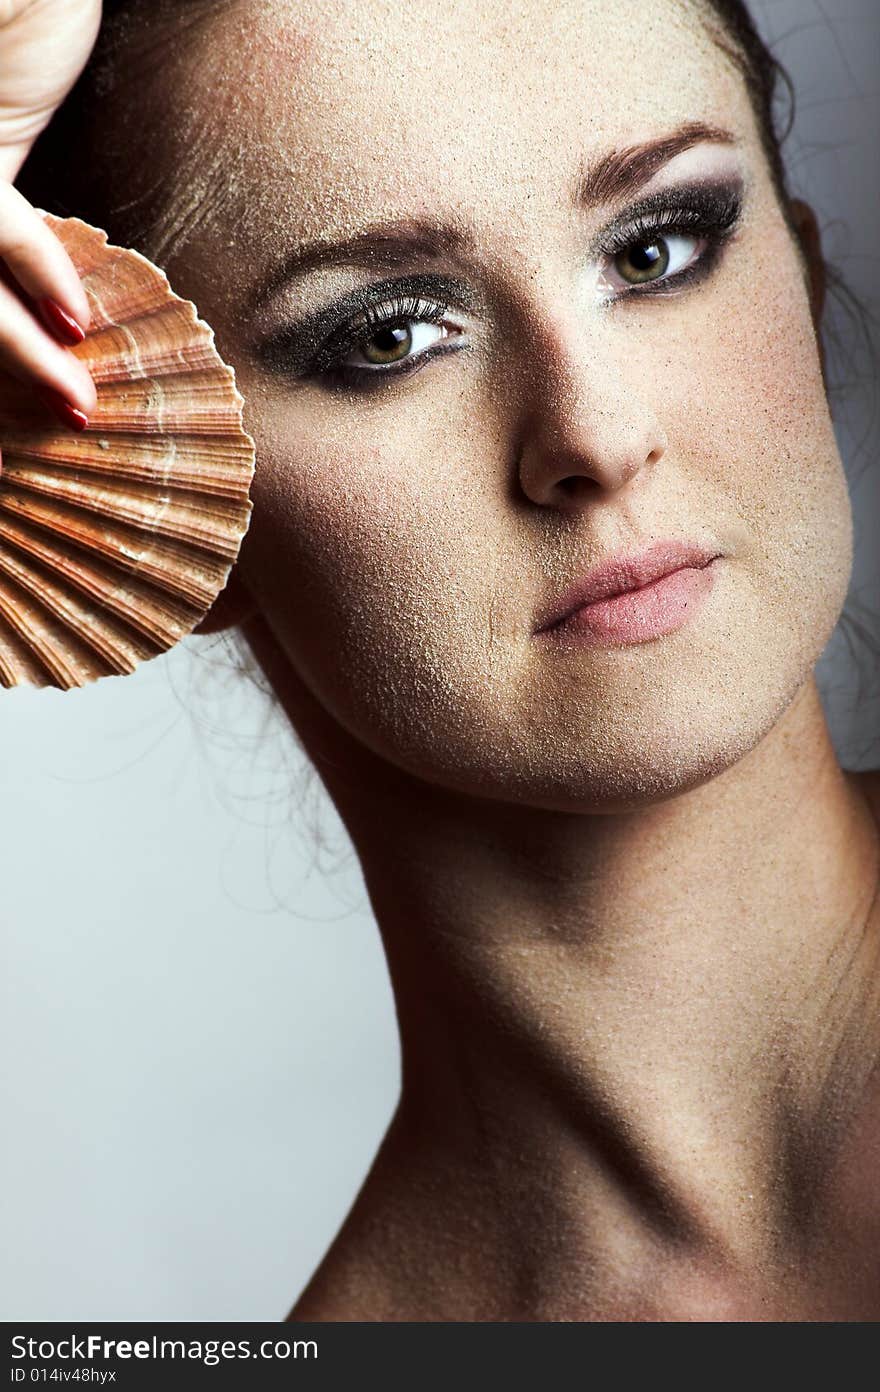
(199,1048)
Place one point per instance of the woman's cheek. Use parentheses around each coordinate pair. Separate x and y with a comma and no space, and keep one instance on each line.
(806,507)
(372,566)
(765,443)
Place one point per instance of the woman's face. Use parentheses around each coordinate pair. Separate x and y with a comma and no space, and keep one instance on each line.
(571,398)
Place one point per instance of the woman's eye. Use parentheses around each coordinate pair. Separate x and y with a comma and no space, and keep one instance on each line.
(652,258)
(392,343)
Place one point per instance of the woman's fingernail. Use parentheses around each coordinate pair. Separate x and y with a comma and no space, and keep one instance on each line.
(67,414)
(60,322)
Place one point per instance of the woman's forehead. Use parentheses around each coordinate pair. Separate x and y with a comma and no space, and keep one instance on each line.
(356,109)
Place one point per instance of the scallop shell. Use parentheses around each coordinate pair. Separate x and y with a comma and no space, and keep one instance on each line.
(116,541)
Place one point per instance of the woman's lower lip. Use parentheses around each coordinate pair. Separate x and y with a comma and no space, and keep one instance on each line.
(639,615)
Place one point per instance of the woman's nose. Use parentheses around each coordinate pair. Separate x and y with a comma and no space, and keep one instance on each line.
(587,426)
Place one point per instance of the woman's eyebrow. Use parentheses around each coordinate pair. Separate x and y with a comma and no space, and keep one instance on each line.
(614,176)
(621,173)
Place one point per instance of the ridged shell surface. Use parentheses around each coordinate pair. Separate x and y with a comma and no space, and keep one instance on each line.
(116,541)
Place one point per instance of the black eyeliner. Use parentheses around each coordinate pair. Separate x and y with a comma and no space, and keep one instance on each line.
(365,381)
(307,345)
(312,346)
(704,205)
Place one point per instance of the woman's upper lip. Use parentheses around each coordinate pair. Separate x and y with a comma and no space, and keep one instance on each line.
(626,571)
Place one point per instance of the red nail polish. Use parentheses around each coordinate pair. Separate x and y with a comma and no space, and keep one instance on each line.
(67,414)
(61,323)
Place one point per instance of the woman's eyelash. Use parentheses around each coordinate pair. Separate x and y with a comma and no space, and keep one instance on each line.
(396,312)
(706,211)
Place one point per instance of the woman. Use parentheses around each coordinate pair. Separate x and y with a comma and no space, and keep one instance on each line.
(504,352)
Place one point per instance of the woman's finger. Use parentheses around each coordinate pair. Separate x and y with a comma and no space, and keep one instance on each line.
(40,264)
(28,353)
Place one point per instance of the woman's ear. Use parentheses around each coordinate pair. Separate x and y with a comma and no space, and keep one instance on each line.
(807,229)
(233,604)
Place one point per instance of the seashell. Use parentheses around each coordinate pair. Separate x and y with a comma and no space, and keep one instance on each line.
(115,542)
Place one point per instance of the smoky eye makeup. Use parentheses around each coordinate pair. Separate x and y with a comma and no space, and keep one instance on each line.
(659,245)
(705,212)
(314,345)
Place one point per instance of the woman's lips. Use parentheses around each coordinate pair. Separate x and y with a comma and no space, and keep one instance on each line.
(633,598)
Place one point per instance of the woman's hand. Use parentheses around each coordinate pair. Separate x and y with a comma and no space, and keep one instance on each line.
(33,261)
(44,45)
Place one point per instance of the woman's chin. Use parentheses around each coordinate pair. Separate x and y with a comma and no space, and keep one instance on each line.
(612,760)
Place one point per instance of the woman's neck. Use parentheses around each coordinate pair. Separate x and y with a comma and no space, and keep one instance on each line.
(627,1039)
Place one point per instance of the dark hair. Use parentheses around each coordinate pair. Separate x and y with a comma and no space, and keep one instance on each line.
(133,32)
(133,37)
